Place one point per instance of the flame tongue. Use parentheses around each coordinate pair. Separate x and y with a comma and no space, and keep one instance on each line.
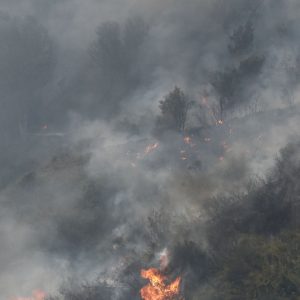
(150,148)
(158,289)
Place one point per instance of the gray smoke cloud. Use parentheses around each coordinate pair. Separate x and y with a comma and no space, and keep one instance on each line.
(88,187)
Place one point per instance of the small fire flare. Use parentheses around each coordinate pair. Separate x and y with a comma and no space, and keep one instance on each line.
(187,140)
(150,148)
(36,295)
(158,289)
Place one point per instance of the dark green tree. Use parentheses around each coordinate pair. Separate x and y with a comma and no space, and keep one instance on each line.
(174,109)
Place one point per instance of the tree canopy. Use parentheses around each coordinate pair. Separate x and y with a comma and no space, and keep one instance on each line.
(174,109)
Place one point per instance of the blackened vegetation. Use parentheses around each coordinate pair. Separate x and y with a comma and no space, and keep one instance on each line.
(115,67)
(86,292)
(241,39)
(234,85)
(91,224)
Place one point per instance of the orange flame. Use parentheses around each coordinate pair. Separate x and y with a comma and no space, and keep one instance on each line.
(36,295)
(151,148)
(187,140)
(158,289)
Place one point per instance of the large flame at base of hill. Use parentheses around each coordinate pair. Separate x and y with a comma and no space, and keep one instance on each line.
(158,289)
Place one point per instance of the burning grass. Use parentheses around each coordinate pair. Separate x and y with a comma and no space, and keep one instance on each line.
(158,288)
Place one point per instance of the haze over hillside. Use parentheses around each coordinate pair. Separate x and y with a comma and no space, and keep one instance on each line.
(149,149)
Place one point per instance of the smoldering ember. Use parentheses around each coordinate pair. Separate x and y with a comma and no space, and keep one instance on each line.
(150,150)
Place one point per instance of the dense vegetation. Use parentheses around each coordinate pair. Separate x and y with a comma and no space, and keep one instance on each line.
(255,238)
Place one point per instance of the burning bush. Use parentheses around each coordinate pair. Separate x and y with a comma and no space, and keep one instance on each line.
(158,288)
